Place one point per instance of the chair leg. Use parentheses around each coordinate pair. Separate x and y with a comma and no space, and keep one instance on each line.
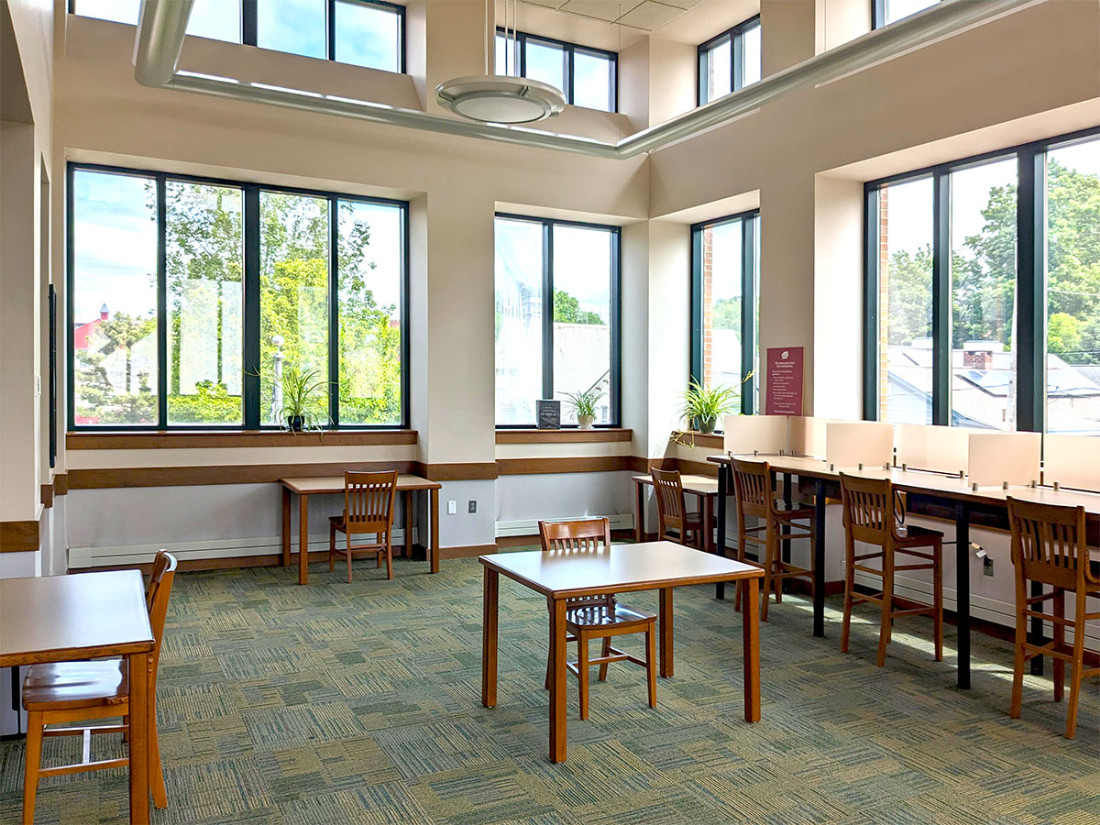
(937,598)
(849,583)
(1059,663)
(33,764)
(1078,665)
(349,554)
(605,653)
(769,565)
(1019,660)
(887,608)
(389,557)
(331,548)
(650,663)
(582,672)
(156,770)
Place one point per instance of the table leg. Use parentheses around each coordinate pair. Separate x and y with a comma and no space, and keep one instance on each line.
(819,557)
(286,526)
(303,538)
(490,597)
(557,681)
(665,620)
(720,540)
(408,524)
(140,709)
(962,590)
(433,516)
(786,553)
(751,649)
(639,512)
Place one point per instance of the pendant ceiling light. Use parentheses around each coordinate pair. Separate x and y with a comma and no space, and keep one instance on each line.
(505,98)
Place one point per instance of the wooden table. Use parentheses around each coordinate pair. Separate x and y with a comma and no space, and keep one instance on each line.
(704,487)
(331,485)
(86,615)
(949,496)
(656,565)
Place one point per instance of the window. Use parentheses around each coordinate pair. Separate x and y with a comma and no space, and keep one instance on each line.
(725,284)
(368,33)
(730,61)
(984,280)
(587,77)
(557,316)
(886,12)
(194,301)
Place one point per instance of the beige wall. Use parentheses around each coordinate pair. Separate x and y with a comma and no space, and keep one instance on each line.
(802,160)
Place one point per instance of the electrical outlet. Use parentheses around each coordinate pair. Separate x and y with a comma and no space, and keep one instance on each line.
(452,508)
(473,506)
(987,566)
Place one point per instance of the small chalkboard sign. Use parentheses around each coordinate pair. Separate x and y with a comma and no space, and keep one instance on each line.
(549,414)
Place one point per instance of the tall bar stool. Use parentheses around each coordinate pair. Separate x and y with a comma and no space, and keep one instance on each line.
(1048,548)
(869,517)
(674,522)
(752,481)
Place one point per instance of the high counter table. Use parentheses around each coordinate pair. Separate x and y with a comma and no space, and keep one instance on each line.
(333,485)
(953,494)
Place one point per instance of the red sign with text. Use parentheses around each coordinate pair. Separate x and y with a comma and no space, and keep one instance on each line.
(784,389)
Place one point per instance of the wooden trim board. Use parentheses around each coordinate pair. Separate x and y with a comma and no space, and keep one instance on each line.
(563,436)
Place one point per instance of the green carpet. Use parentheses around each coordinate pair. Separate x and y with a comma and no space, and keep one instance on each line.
(338,703)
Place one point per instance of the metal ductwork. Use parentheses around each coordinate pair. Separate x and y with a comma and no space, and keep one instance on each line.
(164,22)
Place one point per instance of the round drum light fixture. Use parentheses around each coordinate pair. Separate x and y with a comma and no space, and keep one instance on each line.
(500,99)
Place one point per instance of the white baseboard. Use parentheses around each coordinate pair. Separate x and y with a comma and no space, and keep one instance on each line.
(530,527)
(84,557)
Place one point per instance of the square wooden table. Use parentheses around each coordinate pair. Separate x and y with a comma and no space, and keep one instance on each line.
(84,616)
(655,565)
(332,485)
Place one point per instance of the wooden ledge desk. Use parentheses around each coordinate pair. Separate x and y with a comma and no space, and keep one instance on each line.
(704,487)
(83,616)
(953,495)
(621,568)
(332,485)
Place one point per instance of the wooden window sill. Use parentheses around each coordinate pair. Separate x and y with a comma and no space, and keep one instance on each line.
(569,436)
(187,439)
(691,438)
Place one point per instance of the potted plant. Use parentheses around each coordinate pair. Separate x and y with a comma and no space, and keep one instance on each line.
(703,405)
(303,404)
(583,404)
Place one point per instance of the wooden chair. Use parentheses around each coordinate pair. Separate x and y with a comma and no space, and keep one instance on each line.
(598,617)
(67,692)
(869,517)
(673,521)
(368,509)
(1048,548)
(752,481)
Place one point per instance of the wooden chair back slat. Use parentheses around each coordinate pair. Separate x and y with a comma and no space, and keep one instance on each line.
(156,599)
(670,499)
(868,506)
(752,483)
(581,535)
(1048,544)
(368,501)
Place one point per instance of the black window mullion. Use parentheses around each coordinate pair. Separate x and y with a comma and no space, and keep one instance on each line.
(162,303)
(616,317)
(748,314)
(570,57)
(1031,290)
(251,343)
(547,310)
(871,260)
(249,25)
(878,13)
(70,278)
(405,347)
(334,312)
(330,29)
(737,60)
(941,299)
(696,366)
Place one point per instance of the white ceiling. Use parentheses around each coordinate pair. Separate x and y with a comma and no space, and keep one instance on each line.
(689,21)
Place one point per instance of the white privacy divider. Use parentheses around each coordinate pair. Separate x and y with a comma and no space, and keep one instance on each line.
(1072,461)
(997,458)
(766,434)
(933,447)
(850,443)
(806,435)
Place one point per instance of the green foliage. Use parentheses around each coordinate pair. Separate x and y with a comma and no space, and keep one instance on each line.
(99,399)
(304,397)
(210,404)
(726,313)
(702,405)
(584,403)
(567,310)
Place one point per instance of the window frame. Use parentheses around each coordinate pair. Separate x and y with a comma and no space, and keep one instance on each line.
(737,58)
(749,275)
(250,28)
(1031,276)
(878,14)
(570,50)
(250,305)
(615,383)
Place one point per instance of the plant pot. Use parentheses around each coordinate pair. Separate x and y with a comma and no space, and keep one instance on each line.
(706,425)
(585,421)
(296,423)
